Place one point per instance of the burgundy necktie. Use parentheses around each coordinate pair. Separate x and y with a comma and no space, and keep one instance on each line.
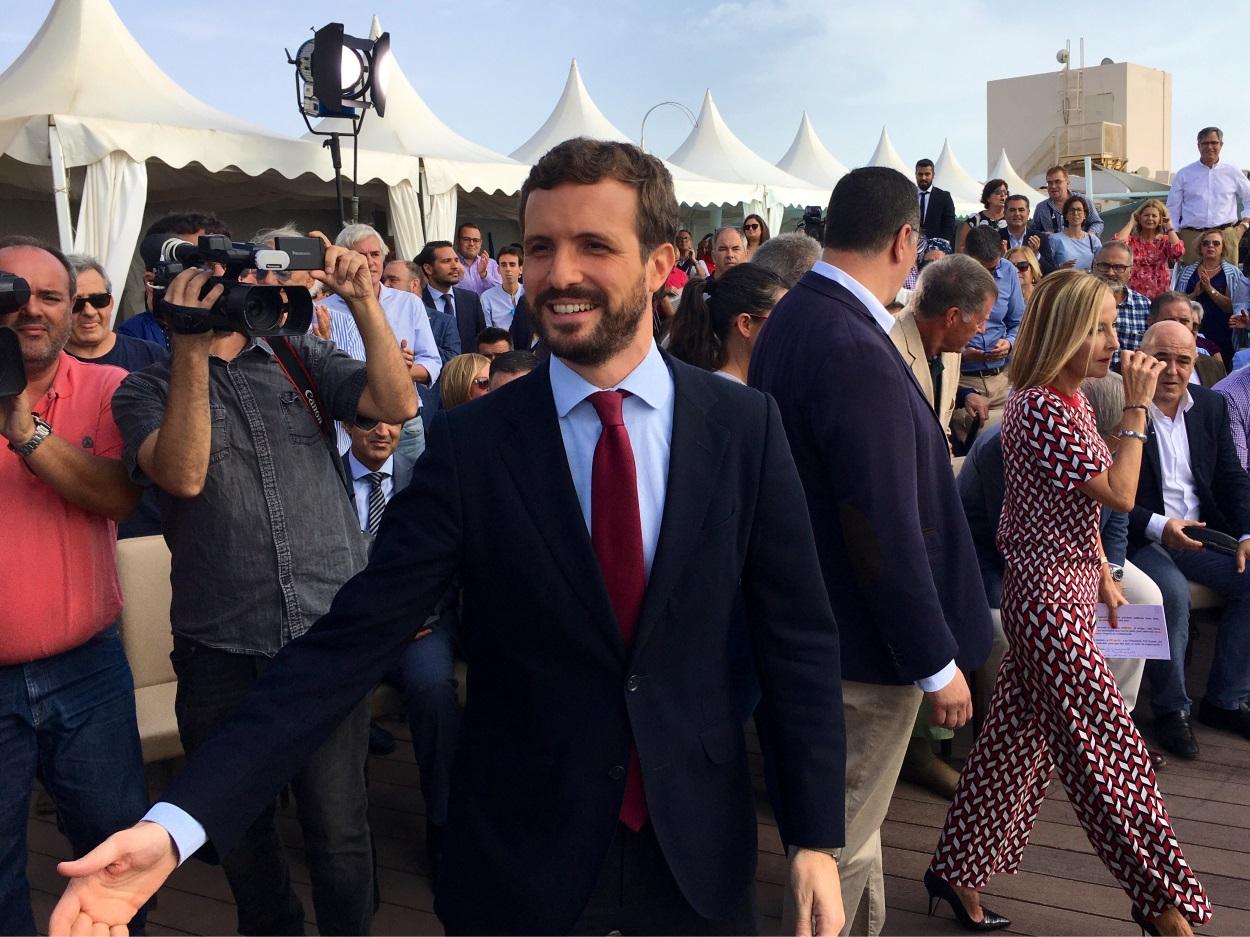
(616,532)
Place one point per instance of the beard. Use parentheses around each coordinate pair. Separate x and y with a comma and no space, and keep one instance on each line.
(40,352)
(614,331)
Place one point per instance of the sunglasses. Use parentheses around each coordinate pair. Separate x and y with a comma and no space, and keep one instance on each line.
(282,276)
(751,227)
(1022,265)
(97,300)
(482,382)
(1212,243)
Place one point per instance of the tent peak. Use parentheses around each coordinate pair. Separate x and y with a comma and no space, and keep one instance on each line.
(375,28)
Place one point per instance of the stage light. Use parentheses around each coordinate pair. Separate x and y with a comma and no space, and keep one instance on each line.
(342,75)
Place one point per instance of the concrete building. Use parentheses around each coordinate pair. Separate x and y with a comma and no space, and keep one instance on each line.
(1118,113)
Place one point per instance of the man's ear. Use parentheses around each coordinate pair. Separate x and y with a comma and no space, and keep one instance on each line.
(659,265)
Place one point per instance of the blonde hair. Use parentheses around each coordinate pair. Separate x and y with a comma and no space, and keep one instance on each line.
(1164,218)
(1031,257)
(1062,313)
(457,378)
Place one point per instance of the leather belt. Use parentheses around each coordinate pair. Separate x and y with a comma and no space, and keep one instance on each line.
(988,372)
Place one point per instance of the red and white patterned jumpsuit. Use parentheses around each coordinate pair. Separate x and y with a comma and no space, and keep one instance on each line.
(1056,705)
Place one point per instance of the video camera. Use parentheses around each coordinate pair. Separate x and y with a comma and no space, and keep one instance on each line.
(248,308)
(813,223)
(14,294)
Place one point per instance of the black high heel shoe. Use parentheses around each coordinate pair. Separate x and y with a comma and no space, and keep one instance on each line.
(940,890)
(1146,925)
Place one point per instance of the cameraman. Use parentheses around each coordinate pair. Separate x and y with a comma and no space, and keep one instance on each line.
(67,705)
(254,511)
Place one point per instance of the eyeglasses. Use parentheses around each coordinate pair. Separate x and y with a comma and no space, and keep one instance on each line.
(1112,268)
(999,192)
(97,300)
(753,226)
(1212,243)
(469,240)
(481,382)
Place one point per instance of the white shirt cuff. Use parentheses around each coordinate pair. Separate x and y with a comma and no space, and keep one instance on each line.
(938,680)
(186,832)
(1154,530)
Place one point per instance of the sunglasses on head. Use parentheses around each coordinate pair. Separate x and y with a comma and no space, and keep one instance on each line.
(97,300)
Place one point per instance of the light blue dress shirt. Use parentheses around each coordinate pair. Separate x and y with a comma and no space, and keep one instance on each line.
(362,486)
(499,308)
(1004,319)
(886,321)
(648,416)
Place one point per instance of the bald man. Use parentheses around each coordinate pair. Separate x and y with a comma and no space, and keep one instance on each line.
(1190,477)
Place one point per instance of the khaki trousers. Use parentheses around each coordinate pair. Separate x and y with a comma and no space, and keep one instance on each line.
(1191,236)
(879,721)
(995,388)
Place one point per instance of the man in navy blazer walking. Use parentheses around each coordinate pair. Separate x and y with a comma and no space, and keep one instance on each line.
(670,579)
(897,557)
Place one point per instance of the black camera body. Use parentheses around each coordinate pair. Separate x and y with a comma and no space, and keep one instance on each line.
(813,223)
(14,294)
(248,308)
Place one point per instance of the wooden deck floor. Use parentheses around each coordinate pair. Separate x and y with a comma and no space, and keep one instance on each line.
(1062,888)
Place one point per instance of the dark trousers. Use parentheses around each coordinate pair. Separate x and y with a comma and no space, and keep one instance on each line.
(426,675)
(637,894)
(330,802)
(70,720)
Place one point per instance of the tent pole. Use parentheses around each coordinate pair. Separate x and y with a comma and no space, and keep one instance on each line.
(60,187)
(425,234)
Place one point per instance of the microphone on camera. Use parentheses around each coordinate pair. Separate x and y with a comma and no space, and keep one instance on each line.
(165,248)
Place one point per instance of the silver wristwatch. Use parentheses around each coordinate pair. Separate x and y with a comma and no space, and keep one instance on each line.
(1117,571)
(42,432)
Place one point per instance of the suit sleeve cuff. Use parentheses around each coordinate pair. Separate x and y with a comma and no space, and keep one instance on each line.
(1154,529)
(938,680)
(186,832)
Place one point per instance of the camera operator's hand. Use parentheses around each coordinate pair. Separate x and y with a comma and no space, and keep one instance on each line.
(346,273)
(16,423)
(184,290)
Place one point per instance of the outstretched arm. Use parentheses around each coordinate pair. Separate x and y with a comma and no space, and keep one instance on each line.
(112,882)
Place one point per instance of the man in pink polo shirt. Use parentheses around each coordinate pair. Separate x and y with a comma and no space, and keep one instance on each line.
(66,694)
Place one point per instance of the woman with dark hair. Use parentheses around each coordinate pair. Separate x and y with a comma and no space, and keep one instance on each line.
(756,230)
(994,214)
(1074,246)
(719,320)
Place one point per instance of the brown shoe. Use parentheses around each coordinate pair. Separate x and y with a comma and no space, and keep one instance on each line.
(925,769)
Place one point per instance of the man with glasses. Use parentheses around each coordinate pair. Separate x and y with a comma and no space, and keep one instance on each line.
(1204,196)
(480,271)
(1113,264)
(1048,216)
(91,337)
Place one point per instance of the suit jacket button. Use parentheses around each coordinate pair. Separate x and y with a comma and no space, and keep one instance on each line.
(616,772)
(633,683)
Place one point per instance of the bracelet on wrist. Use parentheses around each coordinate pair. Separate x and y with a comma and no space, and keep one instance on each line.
(1136,406)
(1131,434)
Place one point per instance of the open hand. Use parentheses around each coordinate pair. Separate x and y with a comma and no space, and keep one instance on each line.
(321,322)
(817,893)
(113,881)
(483,263)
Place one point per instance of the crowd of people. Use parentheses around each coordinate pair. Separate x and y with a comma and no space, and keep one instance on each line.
(557,466)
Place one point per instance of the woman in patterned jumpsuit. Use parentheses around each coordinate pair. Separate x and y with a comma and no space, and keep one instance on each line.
(1055,703)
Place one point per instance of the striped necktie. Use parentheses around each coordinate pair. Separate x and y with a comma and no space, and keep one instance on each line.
(377,501)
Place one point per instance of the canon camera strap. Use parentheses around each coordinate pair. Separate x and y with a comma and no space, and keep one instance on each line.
(298,374)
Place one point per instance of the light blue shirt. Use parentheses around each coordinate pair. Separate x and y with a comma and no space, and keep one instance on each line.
(886,321)
(1004,318)
(648,416)
(406,315)
(499,308)
(362,486)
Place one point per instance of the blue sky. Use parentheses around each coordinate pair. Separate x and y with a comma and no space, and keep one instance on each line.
(493,69)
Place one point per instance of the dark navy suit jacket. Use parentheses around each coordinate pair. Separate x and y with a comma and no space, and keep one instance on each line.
(897,557)
(734,602)
(470,320)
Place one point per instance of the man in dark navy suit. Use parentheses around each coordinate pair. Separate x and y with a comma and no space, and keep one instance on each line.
(406,275)
(897,557)
(441,265)
(1191,476)
(638,568)
(937,208)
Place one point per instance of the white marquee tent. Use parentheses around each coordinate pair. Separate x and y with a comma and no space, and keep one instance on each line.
(886,155)
(1016,184)
(577,115)
(56,110)
(712,149)
(448,162)
(948,174)
(810,160)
